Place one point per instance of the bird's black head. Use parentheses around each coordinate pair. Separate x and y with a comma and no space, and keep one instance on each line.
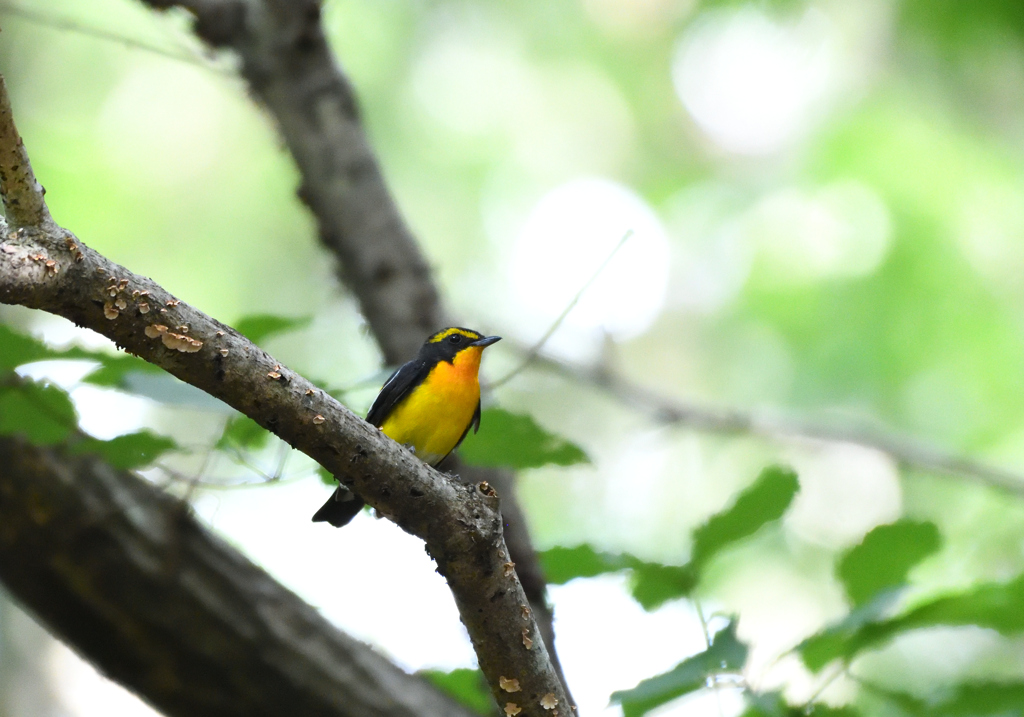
(446,343)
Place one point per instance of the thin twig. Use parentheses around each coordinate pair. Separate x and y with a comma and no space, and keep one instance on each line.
(535,350)
(839,671)
(703,623)
(282,457)
(222,484)
(197,479)
(908,452)
(73,26)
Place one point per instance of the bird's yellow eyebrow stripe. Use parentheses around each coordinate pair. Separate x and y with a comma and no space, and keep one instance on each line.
(442,335)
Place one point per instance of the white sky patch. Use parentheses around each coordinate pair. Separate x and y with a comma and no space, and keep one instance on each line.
(753,84)
(371,579)
(361,577)
(106,414)
(84,692)
(102,412)
(567,236)
(607,642)
(845,491)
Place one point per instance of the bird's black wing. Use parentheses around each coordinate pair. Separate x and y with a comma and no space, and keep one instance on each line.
(398,386)
(344,505)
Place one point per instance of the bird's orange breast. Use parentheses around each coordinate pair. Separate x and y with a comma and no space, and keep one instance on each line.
(436,414)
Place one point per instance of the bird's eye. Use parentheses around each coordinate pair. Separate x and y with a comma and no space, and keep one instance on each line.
(454,339)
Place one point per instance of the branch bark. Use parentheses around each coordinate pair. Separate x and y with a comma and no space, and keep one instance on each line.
(124,573)
(24,205)
(46,267)
(289,67)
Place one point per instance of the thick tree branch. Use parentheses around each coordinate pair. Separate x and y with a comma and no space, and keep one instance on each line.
(52,271)
(291,70)
(124,573)
(47,268)
(288,66)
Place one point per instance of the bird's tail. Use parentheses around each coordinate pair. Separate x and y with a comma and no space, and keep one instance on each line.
(340,508)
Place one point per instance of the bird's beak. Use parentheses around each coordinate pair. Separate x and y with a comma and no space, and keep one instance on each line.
(486,341)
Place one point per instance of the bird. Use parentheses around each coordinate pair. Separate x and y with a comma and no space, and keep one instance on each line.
(428,405)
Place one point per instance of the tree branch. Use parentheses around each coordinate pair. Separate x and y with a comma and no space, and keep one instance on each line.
(23,201)
(291,70)
(123,572)
(908,452)
(47,268)
(288,66)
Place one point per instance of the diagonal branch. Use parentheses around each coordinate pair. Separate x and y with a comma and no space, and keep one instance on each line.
(46,267)
(124,573)
(291,70)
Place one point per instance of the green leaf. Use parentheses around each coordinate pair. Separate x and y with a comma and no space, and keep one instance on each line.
(763,502)
(969,699)
(17,349)
(823,647)
(243,432)
(260,327)
(653,584)
(326,477)
(772,704)
(467,687)
(984,698)
(726,654)
(133,450)
(116,371)
(907,703)
(511,440)
(885,556)
(564,564)
(993,605)
(41,412)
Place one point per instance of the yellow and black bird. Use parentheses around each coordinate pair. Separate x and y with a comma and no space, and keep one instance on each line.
(428,405)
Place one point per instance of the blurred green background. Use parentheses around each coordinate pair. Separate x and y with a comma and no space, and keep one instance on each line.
(827,201)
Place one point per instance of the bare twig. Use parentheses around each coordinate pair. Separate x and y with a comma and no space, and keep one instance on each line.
(534,351)
(47,268)
(840,670)
(54,22)
(908,452)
